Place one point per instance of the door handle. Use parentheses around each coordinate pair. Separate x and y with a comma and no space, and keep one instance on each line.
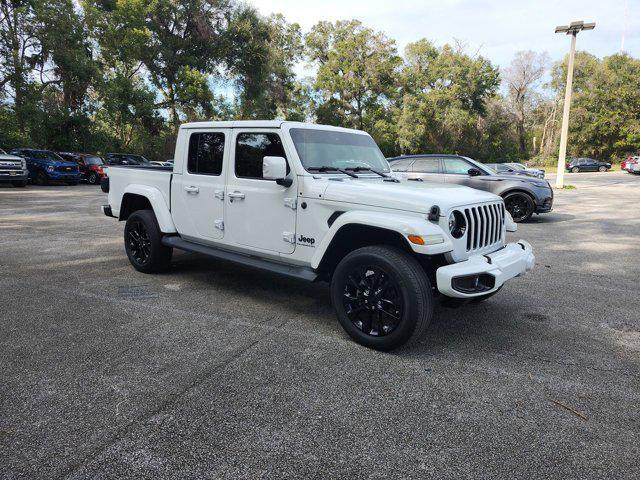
(192,189)
(236,194)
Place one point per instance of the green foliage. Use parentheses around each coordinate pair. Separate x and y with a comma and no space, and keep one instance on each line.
(120,75)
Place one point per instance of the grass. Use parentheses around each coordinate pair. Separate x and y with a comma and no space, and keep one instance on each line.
(569,187)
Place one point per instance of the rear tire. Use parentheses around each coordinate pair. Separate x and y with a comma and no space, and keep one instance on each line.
(520,205)
(382,297)
(143,243)
(602,168)
(575,170)
(19,184)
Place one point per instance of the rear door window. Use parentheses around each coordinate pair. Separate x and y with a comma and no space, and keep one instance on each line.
(426,165)
(206,152)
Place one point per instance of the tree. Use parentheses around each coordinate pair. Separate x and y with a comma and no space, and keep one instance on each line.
(521,77)
(444,95)
(357,72)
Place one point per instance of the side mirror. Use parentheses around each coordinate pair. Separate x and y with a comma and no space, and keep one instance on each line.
(474,172)
(275,168)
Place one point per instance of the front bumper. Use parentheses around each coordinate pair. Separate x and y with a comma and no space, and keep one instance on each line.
(13,175)
(492,270)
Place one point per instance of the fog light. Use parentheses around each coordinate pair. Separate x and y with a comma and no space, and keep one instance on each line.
(473,283)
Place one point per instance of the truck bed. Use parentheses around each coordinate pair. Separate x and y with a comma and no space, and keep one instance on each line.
(120,177)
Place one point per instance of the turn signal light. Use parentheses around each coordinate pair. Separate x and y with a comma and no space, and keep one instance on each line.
(417,239)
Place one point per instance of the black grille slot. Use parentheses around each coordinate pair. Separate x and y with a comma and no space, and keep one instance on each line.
(484,225)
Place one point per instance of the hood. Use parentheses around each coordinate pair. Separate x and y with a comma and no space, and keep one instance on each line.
(405,195)
(6,156)
(512,178)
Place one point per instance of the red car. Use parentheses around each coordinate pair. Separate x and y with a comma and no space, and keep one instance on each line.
(90,166)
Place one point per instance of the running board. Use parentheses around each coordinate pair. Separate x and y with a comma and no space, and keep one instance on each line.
(301,273)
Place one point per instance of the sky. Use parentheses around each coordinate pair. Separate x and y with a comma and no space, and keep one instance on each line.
(497,29)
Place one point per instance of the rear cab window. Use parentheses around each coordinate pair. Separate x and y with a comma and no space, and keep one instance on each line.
(206,153)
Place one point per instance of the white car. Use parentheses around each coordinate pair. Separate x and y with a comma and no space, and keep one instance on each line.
(315,202)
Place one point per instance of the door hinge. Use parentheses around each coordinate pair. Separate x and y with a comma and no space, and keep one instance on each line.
(219,224)
(219,194)
(292,203)
(289,237)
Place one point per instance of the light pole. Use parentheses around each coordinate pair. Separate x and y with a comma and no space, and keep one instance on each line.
(572,30)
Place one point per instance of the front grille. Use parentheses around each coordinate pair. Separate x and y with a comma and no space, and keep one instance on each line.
(484,225)
(67,169)
(10,165)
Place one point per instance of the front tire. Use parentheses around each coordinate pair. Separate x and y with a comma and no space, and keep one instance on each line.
(42,178)
(19,183)
(92,178)
(520,206)
(382,297)
(602,168)
(143,243)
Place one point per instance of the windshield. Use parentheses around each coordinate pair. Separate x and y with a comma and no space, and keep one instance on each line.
(46,155)
(2,152)
(481,166)
(93,161)
(517,166)
(327,148)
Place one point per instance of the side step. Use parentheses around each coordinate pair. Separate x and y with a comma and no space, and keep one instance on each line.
(301,273)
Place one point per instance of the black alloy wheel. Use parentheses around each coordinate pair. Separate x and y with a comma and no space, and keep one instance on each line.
(520,206)
(143,243)
(372,301)
(139,242)
(382,296)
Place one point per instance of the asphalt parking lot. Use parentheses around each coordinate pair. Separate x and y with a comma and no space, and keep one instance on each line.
(216,371)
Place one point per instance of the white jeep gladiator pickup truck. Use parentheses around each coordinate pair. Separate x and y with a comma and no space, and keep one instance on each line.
(317,202)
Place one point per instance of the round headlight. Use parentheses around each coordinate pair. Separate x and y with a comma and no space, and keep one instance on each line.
(457,224)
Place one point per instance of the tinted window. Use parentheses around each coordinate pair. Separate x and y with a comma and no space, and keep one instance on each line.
(206,151)
(426,165)
(401,165)
(94,161)
(251,148)
(456,165)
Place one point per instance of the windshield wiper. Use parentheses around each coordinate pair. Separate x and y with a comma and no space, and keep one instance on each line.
(326,168)
(373,170)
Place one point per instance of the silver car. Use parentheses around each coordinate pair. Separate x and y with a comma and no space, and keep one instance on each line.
(523,195)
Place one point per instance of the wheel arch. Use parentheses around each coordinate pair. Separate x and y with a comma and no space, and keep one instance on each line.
(354,230)
(141,197)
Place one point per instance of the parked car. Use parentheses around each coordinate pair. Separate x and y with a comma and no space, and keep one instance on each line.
(507,169)
(125,159)
(91,166)
(523,195)
(535,172)
(634,165)
(584,164)
(46,166)
(318,203)
(627,162)
(13,169)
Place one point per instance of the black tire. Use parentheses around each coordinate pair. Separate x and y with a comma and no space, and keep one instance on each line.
(19,183)
(42,178)
(143,243)
(520,205)
(602,168)
(575,170)
(74,182)
(92,179)
(359,285)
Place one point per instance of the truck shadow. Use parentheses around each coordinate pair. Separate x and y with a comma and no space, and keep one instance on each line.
(490,324)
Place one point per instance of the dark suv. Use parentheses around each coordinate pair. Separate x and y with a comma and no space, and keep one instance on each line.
(523,196)
(125,159)
(584,164)
(45,166)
